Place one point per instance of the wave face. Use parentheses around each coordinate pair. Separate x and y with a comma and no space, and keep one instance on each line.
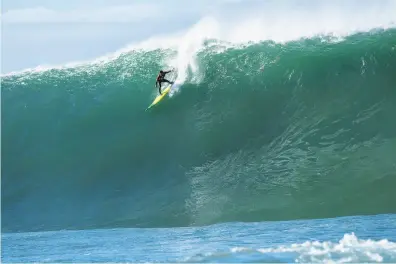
(267,131)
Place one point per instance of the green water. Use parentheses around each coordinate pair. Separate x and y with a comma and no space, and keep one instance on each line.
(260,132)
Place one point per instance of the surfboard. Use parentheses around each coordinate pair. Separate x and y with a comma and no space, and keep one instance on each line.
(164,92)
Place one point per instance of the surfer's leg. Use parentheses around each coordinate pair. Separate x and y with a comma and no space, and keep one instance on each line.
(165,80)
(159,88)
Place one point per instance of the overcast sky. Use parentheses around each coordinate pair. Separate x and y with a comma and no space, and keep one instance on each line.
(49,32)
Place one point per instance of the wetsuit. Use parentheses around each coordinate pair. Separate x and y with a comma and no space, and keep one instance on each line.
(161,79)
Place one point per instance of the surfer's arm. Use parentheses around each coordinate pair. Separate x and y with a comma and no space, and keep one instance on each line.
(156,83)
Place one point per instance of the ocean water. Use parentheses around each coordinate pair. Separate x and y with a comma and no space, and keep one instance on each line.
(348,239)
(264,151)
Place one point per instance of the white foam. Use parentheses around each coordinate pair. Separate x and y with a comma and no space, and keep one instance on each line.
(187,49)
(348,249)
(281,23)
(324,20)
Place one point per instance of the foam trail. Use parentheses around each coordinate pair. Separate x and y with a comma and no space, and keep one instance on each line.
(192,42)
(188,48)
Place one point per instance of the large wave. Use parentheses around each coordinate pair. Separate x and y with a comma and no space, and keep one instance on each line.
(267,130)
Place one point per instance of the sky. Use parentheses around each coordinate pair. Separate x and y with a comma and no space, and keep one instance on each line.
(41,32)
(48,32)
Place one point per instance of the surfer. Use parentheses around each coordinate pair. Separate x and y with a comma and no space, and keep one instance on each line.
(161,79)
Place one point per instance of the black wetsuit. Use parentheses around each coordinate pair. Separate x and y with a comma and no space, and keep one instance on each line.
(161,79)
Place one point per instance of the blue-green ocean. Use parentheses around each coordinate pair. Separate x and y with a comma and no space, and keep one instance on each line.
(267,152)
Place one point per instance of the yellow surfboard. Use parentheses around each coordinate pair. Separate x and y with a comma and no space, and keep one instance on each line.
(159,97)
(164,93)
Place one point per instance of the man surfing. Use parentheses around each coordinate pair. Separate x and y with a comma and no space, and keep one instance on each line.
(161,79)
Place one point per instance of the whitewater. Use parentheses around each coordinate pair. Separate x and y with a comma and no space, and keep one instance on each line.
(277,144)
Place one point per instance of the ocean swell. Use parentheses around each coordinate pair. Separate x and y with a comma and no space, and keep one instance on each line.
(265,131)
